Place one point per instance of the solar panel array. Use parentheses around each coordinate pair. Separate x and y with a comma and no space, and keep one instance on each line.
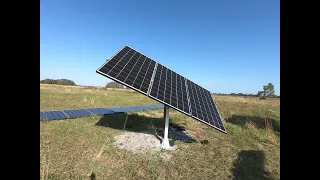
(75,113)
(137,71)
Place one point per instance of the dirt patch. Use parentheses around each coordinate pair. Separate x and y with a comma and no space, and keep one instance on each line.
(139,142)
(134,142)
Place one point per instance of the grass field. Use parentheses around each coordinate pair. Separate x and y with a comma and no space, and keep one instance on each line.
(83,148)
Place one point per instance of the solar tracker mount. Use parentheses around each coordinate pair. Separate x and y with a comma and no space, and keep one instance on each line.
(140,73)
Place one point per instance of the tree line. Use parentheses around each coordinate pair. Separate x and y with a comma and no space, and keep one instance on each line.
(268,91)
(244,95)
(114,84)
(236,94)
(58,82)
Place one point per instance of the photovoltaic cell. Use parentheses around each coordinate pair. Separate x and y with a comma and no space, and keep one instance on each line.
(100,111)
(203,107)
(52,115)
(42,116)
(169,87)
(131,68)
(58,115)
(78,113)
(136,108)
(47,115)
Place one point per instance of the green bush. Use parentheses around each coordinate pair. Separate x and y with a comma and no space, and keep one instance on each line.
(114,84)
(58,82)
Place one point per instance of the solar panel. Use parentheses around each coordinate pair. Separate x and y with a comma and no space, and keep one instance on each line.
(137,71)
(203,107)
(78,113)
(170,88)
(42,116)
(136,108)
(130,68)
(53,115)
(100,111)
(75,113)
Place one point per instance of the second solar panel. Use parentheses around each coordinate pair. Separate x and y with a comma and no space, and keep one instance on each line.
(203,107)
(170,88)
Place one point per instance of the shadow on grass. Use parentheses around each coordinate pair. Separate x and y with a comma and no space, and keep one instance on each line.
(258,121)
(250,165)
(144,124)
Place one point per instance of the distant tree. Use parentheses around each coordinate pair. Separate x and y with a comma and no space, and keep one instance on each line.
(58,81)
(268,91)
(260,93)
(65,82)
(47,81)
(114,84)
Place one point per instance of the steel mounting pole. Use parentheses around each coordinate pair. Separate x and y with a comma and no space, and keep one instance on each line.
(165,141)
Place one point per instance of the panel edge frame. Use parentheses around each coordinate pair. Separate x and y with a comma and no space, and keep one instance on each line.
(152,77)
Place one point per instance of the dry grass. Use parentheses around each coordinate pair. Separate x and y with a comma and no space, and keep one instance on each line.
(250,125)
(83,147)
(269,130)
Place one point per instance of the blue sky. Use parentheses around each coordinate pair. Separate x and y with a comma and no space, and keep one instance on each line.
(223,45)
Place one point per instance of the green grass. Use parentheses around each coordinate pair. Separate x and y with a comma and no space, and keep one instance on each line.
(83,147)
